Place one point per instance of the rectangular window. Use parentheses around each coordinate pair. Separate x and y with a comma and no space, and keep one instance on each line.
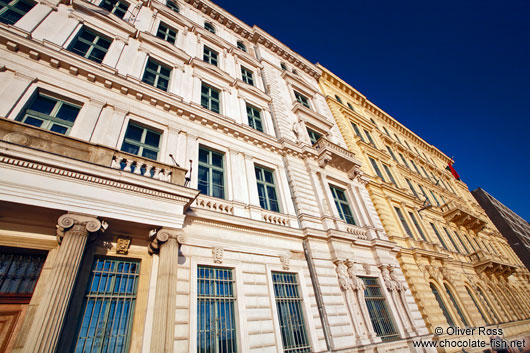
(108,307)
(425,194)
(462,242)
(417,225)
(254,118)
(439,237)
(247,76)
(210,56)
(216,324)
(50,114)
(210,98)
(397,138)
(404,161)
(411,187)
(415,167)
(357,131)
(451,239)
(435,198)
(266,189)
(376,168)
(407,144)
(141,141)
(166,33)
(116,7)
(377,309)
(404,222)
(387,170)
(302,99)
(386,131)
(12,11)
(19,273)
(156,74)
(313,136)
(370,139)
(290,314)
(425,172)
(391,153)
(90,44)
(342,205)
(211,173)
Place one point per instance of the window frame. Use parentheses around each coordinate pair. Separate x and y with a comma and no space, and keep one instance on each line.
(209,98)
(157,73)
(241,46)
(247,76)
(210,56)
(173,6)
(210,168)
(404,223)
(141,144)
(253,118)
(389,336)
(313,136)
(303,100)
(9,7)
(266,185)
(92,45)
(376,168)
(209,27)
(167,33)
(116,6)
(338,202)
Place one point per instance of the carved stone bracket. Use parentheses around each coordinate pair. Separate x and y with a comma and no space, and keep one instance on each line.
(218,254)
(159,237)
(285,259)
(122,244)
(342,272)
(84,223)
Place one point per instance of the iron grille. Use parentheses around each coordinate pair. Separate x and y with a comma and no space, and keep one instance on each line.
(108,307)
(19,273)
(216,329)
(289,305)
(378,311)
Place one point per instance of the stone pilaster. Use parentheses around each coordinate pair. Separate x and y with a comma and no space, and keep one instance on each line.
(73,231)
(164,242)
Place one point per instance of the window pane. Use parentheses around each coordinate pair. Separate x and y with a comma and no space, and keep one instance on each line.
(68,112)
(127,147)
(152,138)
(59,128)
(134,133)
(147,153)
(43,104)
(33,121)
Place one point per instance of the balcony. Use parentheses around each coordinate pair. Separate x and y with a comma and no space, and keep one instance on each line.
(462,216)
(337,157)
(42,140)
(491,264)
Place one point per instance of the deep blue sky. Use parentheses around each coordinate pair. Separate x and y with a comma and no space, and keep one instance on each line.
(455,72)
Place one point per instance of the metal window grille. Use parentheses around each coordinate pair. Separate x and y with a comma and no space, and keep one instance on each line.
(19,274)
(156,74)
(451,239)
(247,76)
(209,27)
(141,141)
(254,118)
(441,303)
(12,11)
(216,329)
(266,189)
(439,236)
(313,136)
(342,205)
(90,45)
(166,33)
(378,310)
(417,225)
(376,169)
(484,317)
(210,98)
(173,6)
(108,307)
(456,306)
(241,46)
(116,7)
(50,114)
(389,173)
(357,131)
(302,99)
(211,173)
(290,315)
(411,187)
(210,56)
(404,222)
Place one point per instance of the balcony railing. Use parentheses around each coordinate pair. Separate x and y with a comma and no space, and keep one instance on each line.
(43,140)
(491,263)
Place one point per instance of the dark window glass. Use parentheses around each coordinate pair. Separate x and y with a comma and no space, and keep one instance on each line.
(266,189)
(342,204)
(90,44)
(313,136)
(209,27)
(210,98)
(247,76)
(242,46)
(377,309)
(404,222)
(116,7)
(12,11)
(141,141)
(442,306)
(211,173)
(156,74)
(166,33)
(302,99)
(254,118)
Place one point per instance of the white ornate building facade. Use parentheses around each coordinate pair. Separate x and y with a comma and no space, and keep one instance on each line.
(162,189)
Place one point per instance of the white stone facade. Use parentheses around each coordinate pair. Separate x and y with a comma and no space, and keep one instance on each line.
(143,207)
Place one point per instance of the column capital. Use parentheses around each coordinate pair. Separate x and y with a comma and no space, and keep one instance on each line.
(161,236)
(90,223)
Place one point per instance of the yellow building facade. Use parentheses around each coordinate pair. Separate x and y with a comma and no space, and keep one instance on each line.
(460,269)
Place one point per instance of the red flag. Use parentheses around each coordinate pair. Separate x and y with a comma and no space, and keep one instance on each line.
(453,171)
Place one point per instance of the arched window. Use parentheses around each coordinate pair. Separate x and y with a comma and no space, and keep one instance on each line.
(441,303)
(173,5)
(455,304)
(487,304)
(484,317)
(209,27)
(242,46)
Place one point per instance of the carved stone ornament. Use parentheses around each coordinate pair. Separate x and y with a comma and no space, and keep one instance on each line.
(218,254)
(285,259)
(342,273)
(158,237)
(18,138)
(85,223)
(122,245)
(385,272)
(399,286)
(367,268)
(356,283)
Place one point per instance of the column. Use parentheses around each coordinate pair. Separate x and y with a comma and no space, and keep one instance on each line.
(73,231)
(164,242)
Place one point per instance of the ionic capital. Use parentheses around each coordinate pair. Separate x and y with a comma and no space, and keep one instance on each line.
(159,237)
(80,222)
